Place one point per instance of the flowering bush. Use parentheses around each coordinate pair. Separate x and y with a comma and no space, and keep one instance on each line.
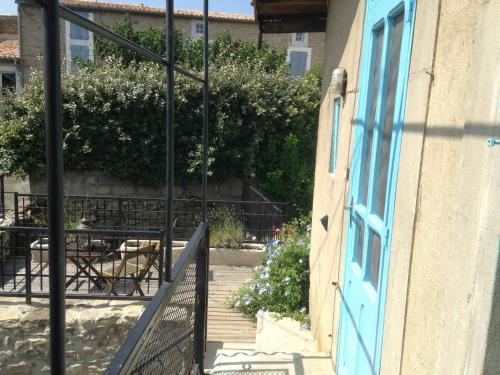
(281,284)
(114,122)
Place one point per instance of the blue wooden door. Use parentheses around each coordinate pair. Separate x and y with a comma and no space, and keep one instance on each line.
(379,123)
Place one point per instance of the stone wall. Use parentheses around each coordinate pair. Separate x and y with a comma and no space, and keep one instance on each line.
(95,331)
(96,183)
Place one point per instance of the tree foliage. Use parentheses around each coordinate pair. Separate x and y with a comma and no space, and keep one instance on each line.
(262,124)
(188,52)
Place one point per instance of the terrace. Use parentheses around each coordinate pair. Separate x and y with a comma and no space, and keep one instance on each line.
(127,279)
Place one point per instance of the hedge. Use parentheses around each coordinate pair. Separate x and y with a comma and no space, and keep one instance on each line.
(262,125)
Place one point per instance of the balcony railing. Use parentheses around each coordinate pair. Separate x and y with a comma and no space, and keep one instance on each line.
(257,214)
(170,336)
(2,197)
(110,264)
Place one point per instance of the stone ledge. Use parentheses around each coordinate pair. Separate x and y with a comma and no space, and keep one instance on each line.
(95,330)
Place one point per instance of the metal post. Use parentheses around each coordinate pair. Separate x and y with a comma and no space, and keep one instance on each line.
(201,311)
(205,111)
(2,197)
(170,128)
(161,260)
(27,264)
(55,188)
(16,208)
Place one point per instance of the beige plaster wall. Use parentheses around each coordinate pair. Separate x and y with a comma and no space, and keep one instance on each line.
(441,314)
(342,46)
(453,236)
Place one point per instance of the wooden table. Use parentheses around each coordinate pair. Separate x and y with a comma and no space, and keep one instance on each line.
(84,257)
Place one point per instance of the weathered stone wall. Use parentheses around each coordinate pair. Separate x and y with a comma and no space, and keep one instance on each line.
(95,331)
(96,183)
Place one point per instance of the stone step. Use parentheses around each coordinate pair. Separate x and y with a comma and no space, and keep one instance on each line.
(247,362)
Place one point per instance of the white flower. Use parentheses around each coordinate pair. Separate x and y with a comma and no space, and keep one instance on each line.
(303,310)
(262,291)
(237,304)
(248,301)
(287,292)
(301,261)
(287,279)
(305,327)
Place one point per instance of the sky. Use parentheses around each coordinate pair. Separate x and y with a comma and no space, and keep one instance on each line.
(231,6)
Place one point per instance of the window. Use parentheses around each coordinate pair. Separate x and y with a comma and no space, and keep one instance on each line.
(197,30)
(299,60)
(8,82)
(79,42)
(300,39)
(335,135)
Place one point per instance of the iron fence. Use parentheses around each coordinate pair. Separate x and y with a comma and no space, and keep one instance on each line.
(263,213)
(170,336)
(110,264)
(258,216)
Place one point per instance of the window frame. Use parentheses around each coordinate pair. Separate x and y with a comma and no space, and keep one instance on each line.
(300,49)
(303,43)
(9,70)
(332,165)
(194,30)
(78,42)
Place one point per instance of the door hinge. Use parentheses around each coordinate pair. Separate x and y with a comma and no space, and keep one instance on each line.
(385,233)
(411,7)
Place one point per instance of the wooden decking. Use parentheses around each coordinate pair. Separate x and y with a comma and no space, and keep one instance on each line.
(224,323)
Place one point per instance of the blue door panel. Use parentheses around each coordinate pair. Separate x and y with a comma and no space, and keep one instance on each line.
(379,123)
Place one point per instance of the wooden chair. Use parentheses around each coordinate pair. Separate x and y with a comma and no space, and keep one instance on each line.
(136,262)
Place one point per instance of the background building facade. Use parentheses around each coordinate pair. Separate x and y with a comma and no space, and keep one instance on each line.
(304,50)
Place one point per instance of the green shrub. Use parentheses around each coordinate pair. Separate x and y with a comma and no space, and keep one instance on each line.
(281,284)
(223,49)
(226,231)
(262,124)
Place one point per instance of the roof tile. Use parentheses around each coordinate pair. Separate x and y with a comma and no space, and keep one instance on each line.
(146,9)
(9,49)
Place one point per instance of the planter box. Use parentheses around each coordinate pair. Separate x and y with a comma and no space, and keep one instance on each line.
(228,257)
(40,251)
(237,257)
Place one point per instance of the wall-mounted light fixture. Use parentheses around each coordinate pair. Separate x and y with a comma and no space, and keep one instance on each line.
(338,84)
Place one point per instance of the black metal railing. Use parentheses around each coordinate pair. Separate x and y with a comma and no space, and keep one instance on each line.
(2,197)
(170,336)
(110,264)
(51,11)
(263,213)
(258,216)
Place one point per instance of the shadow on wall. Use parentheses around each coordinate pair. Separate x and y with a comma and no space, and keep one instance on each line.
(453,133)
